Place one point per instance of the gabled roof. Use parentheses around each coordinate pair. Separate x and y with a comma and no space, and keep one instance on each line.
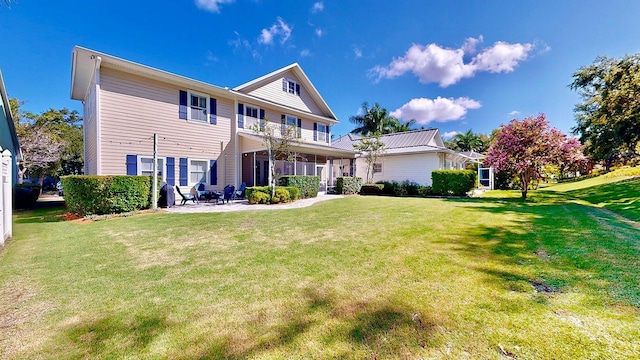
(9,116)
(409,141)
(302,77)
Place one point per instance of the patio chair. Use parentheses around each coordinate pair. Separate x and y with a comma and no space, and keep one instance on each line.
(239,194)
(186,197)
(229,191)
(201,190)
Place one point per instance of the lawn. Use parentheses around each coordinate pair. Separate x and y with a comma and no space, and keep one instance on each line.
(359,277)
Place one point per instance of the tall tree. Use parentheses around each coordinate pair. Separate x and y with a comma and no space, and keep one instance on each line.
(608,118)
(469,141)
(376,119)
(524,147)
(372,148)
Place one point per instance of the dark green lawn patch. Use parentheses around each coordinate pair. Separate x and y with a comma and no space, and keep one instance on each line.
(357,277)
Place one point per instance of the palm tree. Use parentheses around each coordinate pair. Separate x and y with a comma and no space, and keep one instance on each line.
(468,141)
(374,119)
(398,126)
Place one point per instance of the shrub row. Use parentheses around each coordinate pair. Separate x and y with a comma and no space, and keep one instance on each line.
(308,185)
(99,195)
(453,182)
(25,195)
(371,189)
(262,194)
(404,188)
(348,185)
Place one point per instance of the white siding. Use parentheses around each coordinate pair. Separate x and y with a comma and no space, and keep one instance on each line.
(90,132)
(416,167)
(133,108)
(272,91)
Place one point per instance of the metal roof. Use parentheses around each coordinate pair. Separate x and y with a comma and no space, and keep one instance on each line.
(401,140)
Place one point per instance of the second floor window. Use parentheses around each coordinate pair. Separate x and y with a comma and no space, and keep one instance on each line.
(198,108)
(251,111)
(322,132)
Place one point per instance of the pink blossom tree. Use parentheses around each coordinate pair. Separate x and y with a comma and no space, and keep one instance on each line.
(524,147)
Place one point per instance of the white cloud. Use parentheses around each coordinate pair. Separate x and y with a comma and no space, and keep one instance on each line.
(435,64)
(319,32)
(317,7)
(280,30)
(440,109)
(305,53)
(357,52)
(212,5)
(211,56)
(450,134)
(513,113)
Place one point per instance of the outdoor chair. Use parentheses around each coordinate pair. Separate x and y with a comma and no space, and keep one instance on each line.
(239,194)
(200,190)
(229,191)
(186,197)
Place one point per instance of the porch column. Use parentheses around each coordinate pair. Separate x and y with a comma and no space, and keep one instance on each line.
(295,163)
(253,166)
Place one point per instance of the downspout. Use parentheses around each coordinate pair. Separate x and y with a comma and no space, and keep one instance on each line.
(96,77)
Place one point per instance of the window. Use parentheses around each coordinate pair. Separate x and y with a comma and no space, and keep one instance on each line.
(198,107)
(322,132)
(377,168)
(197,171)
(292,120)
(145,166)
(290,86)
(251,111)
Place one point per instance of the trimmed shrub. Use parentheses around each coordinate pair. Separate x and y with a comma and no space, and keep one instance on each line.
(425,191)
(453,182)
(281,195)
(294,192)
(99,195)
(258,197)
(263,189)
(348,185)
(25,195)
(371,189)
(308,185)
(409,188)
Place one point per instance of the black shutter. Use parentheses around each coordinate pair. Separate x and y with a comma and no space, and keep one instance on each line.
(261,119)
(213,116)
(283,123)
(184,173)
(285,85)
(213,170)
(298,89)
(240,115)
(327,137)
(315,131)
(299,127)
(182,112)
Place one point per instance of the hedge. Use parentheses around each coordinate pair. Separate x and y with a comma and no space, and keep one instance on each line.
(25,195)
(404,188)
(348,185)
(262,194)
(371,189)
(308,185)
(453,182)
(99,195)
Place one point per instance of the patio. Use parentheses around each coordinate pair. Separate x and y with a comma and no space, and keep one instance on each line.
(243,205)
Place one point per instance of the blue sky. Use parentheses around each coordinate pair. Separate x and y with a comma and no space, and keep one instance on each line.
(455,65)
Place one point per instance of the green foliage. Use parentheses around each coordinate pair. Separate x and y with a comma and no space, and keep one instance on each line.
(294,192)
(371,148)
(281,196)
(425,191)
(623,172)
(88,195)
(404,188)
(453,182)
(308,185)
(25,195)
(348,185)
(258,197)
(371,189)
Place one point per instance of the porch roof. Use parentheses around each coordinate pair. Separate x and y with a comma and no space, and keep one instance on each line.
(300,146)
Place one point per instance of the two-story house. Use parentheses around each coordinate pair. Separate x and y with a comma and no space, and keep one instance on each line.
(205,132)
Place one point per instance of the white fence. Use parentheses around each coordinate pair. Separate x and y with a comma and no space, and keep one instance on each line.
(6,196)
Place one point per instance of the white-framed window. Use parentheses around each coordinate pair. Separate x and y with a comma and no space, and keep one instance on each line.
(251,111)
(377,168)
(198,106)
(289,85)
(291,120)
(145,166)
(322,132)
(198,170)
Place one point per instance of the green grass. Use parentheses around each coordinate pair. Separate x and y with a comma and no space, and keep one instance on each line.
(359,277)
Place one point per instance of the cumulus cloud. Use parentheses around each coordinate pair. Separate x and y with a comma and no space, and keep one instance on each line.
(319,32)
(433,63)
(280,30)
(440,109)
(317,7)
(212,5)
(357,52)
(450,134)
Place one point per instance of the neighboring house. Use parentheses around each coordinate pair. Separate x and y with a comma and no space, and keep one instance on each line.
(409,156)
(10,155)
(203,130)
(8,137)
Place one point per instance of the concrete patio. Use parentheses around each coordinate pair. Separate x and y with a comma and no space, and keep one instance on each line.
(243,205)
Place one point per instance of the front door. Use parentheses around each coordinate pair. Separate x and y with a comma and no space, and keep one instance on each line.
(322,173)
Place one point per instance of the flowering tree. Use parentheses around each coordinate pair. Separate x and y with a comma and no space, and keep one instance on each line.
(524,147)
(372,148)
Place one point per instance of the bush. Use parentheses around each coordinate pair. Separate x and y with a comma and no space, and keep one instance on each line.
(405,188)
(453,182)
(281,195)
(425,191)
(89,195)
(348,185)
(294,192)
(371,189)
(25,195)
(258,197)
(308,185)
(263,189)
(409,188)
(388,187)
